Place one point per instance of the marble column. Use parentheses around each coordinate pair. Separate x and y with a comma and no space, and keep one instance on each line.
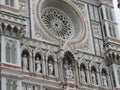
(30,64)
(43,67)
(46,67)
(61,69)
(56,69)
(33,64)
(115,75)
(88,76)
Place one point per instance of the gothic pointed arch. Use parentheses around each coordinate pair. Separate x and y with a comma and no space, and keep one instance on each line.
(118,57)
(103,66)
(15,30)
(8,29)
(82,65)
(83,61)
(26,46)
(38,50)
(69,56)
(93,63)
(3,26)
(51,53)
(26,54)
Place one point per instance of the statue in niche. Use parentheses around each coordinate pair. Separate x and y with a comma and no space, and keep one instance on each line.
(25,62)
(68,70)
(83,76)
(104,80)
(94,78)
(50,68)
(38,65)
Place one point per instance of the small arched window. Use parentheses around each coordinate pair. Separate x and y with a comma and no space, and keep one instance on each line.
(8,52)
(11,52)
(3,26)
(9,3)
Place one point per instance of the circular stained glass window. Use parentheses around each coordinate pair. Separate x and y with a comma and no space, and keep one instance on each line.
(57,23)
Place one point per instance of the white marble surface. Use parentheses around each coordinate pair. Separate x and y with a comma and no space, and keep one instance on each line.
(117,14)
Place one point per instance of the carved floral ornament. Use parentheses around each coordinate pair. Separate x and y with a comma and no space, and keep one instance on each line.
(61,21)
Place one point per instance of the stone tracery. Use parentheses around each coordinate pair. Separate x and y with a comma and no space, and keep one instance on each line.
(57,23)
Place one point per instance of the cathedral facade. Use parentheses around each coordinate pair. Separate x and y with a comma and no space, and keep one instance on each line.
(59,45)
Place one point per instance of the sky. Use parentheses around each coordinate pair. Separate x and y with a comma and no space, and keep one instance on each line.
(117,15)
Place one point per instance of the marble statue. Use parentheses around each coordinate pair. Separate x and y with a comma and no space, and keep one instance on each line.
(104,80)
(70,74)
(25,62)
(68,71)
(83,76)
(38,65)
(50,68)
(94,78)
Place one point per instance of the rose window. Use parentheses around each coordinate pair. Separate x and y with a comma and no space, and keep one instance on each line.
(60,21)
(57,23)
